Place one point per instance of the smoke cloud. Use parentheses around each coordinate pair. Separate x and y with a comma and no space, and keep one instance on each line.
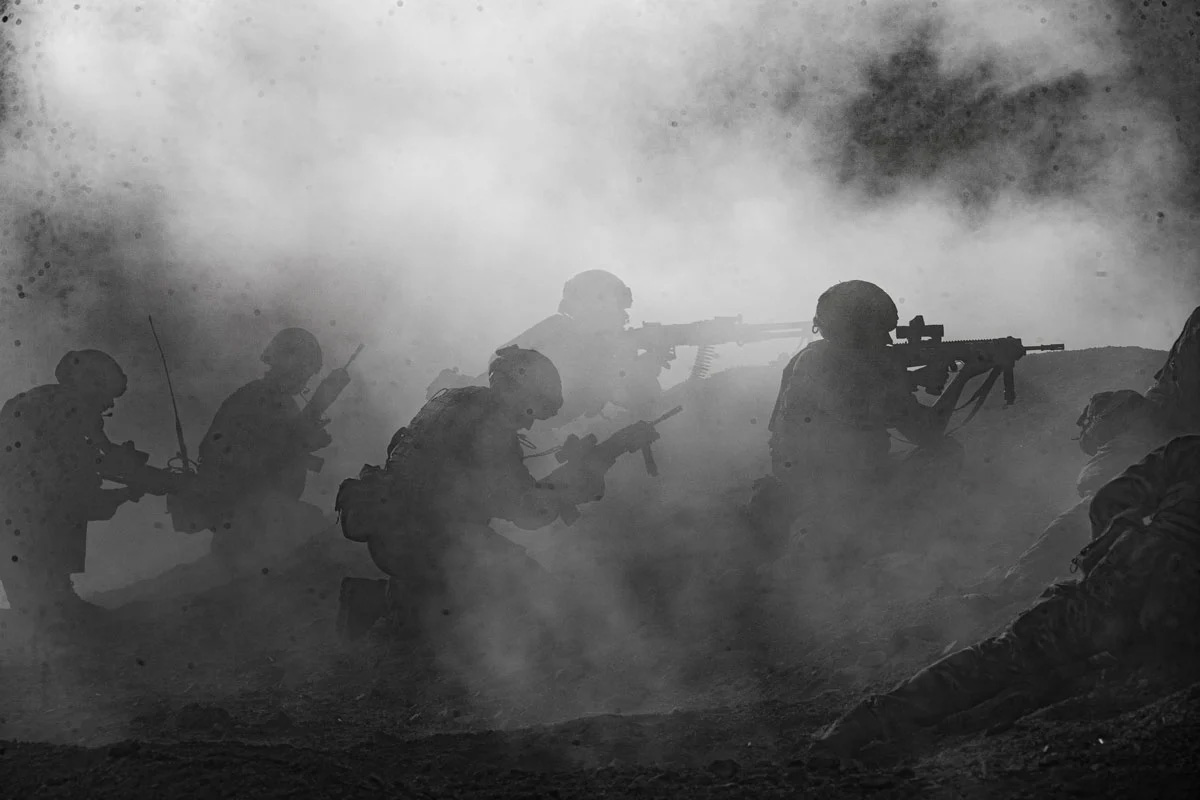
(423,176)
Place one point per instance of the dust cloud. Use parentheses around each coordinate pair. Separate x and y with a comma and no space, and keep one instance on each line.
(423,176)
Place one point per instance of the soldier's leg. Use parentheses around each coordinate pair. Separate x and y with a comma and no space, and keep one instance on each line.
(361,603)
(411,594)
(1103,612)
(41,595)
(770,513)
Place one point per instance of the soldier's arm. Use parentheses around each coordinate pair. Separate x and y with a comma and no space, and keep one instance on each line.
(922,424)
(102,505)
(1140,488)
(512,492)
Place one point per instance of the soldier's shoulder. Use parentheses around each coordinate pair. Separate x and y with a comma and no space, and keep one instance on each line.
(459,399)
(815,356)
(249,393)
(39,397)
(545,333)
(470,395)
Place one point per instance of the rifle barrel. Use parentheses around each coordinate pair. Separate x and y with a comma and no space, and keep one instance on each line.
(356,352)
(779,326)
(667,415)
(1046,347)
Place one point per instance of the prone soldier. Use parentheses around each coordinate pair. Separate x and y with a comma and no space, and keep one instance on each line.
(255,457)
(1137,588)
(425,515)
(54,462)
(1116,430)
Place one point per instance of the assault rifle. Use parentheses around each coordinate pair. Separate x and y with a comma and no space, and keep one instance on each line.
(930,360)
(661,340)
(327,391)
(584,459)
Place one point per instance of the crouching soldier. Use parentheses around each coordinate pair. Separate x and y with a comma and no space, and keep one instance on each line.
(1139,586)
(830,442)
(54,459)
(424,515)
(256,456)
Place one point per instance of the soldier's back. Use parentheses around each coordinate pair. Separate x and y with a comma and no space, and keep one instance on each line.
(251,437)
(448,456)
(441,441)
(833,407)
(46,441)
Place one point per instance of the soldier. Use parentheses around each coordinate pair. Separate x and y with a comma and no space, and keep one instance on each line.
(456,466)
(1138,587)
(255,458)
(1116,430)
(837,401)
(54,461)
(585,342)
(1176,388)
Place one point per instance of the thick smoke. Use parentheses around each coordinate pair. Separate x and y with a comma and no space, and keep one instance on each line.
(423,176)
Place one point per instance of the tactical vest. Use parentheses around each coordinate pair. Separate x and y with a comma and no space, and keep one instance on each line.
(402,491)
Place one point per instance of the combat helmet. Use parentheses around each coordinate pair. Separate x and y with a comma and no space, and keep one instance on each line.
(294,350)
(1110,414)
(93,372)
(528,377)
(592,288)
(855,313)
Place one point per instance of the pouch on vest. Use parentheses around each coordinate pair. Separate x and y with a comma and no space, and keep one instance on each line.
(367,504)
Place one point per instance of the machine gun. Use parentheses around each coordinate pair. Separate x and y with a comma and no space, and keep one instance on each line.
(327,391)
(661,340)
(584,458)
(930,360)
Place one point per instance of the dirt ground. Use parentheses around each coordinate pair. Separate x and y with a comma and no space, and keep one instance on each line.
(188,688)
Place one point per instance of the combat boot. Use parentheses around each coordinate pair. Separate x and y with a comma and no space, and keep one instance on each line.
(361,603)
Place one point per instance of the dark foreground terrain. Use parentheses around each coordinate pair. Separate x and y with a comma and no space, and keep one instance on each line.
(190,689)
(1067,750)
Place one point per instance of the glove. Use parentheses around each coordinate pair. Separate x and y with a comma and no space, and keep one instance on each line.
(316,437)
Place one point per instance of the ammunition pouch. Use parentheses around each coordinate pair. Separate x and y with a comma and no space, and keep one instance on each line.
(368,504)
